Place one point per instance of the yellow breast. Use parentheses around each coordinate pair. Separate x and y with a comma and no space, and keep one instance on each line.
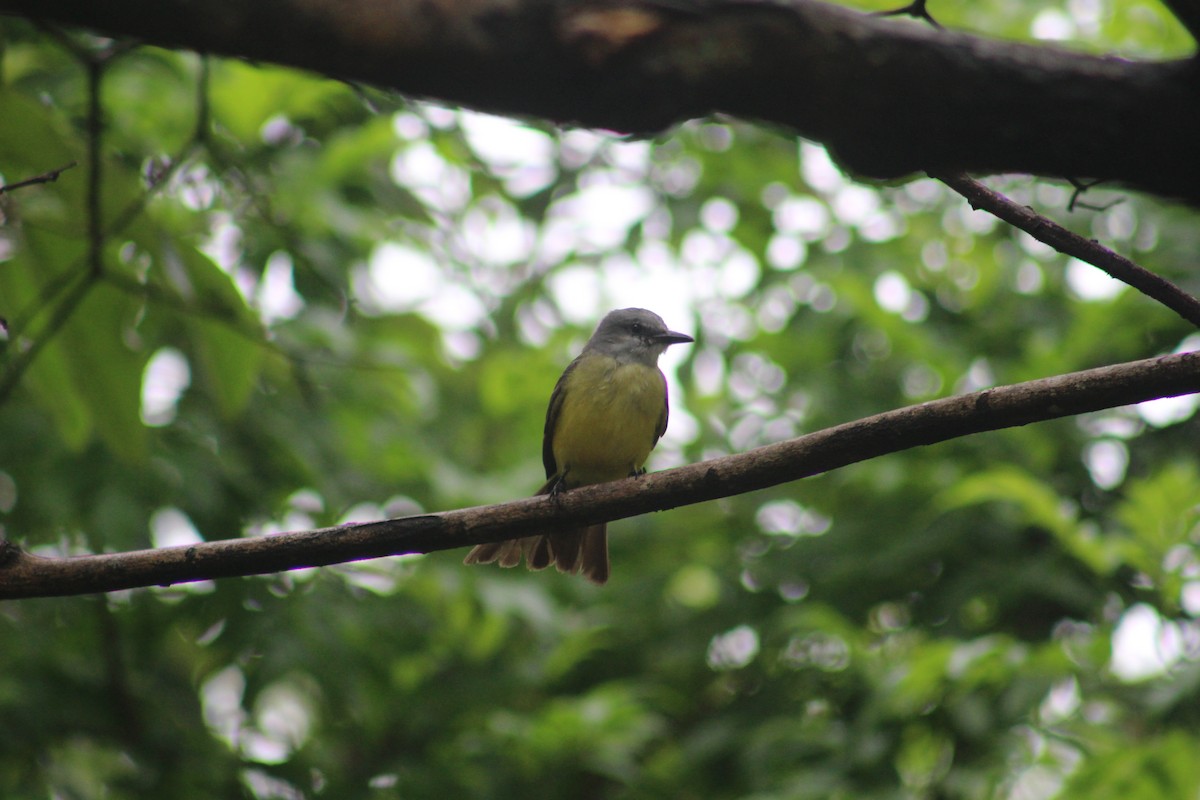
(609,420)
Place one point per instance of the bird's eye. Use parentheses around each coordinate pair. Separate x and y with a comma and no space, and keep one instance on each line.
(636,327)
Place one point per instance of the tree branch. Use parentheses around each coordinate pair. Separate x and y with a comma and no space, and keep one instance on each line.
(74,290)
(45,177)
(95,167)
(887,99)
(25,575)
(1064,241)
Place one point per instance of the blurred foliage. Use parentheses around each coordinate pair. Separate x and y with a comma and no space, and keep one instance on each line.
(265,300)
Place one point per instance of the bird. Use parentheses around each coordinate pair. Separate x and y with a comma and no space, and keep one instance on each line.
(606,413)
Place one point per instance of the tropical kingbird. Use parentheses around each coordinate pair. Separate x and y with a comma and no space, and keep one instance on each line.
(607,412)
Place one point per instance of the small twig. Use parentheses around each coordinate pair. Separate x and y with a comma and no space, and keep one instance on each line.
(915,9)
(45,177)
(95,127)
(24,318)
(1082,186)
(1076,203)
(20,363)
(203,103)
(119,693)
(1064,241)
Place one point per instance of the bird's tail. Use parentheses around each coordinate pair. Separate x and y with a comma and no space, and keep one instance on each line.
(573,551)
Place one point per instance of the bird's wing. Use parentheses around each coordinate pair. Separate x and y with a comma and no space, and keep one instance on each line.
(552,414)
(661,428)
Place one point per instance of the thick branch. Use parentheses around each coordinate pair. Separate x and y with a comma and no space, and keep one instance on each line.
(888,98)
(24,575)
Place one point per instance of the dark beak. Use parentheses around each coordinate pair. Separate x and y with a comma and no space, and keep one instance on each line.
(672,337)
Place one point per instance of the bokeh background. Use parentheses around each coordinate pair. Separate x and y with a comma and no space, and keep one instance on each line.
(285,302)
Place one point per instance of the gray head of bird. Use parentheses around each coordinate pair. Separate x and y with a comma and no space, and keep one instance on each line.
(634,334)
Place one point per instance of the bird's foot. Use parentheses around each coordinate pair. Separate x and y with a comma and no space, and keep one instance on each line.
(558,487)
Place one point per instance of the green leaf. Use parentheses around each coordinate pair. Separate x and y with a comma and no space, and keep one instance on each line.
(32,283)
(1156,767)
(1040,506)
(49,379)
(106,371)
(1162,510)
(245,96)
(33,136)
(1160,513)
(225,333)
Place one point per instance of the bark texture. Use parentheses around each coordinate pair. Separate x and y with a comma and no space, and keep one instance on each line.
(889,97)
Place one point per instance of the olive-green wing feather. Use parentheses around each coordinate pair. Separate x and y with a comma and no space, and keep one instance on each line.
(661,428)
(552,414)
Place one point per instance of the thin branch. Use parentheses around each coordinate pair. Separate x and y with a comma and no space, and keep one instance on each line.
(118,692)
(73,296)
(1092,252)
(95,127)
(64,311)
(255,336)
(1081,187)
(54,287)
(45,177)
(25,575)
(200,131)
